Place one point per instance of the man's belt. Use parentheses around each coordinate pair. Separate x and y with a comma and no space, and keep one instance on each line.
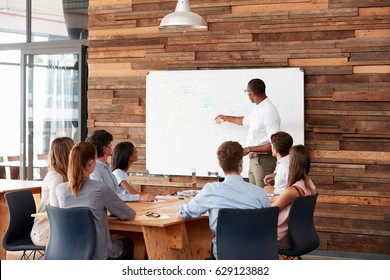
(256,155)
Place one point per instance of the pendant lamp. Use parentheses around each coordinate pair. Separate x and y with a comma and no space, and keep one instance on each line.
(183,18)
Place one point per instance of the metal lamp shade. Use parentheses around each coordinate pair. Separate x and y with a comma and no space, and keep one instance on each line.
(183,18)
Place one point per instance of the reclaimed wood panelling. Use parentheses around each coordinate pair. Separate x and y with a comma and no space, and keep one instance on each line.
(343,47)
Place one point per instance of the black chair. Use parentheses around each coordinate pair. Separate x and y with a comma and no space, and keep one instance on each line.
(21,205)
(303,234)
(72,233)
(247,234)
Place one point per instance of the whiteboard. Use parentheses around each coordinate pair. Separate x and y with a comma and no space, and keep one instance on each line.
(181,133)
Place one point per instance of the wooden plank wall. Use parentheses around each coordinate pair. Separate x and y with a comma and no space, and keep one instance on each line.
(343,47)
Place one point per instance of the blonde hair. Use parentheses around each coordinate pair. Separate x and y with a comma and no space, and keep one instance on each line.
(58,158)
(80,155)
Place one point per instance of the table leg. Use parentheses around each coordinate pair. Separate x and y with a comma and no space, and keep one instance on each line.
(139,246)
(3,224)
(199,237)
(169,243)
(138,239)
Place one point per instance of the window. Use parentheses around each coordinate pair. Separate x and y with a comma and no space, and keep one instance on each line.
(43,76)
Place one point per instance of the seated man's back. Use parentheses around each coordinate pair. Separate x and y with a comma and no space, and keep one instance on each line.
(233,192)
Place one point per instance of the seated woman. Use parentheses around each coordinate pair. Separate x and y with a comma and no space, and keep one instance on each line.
(299,184)
(81,191)
(123,156)
(58,164)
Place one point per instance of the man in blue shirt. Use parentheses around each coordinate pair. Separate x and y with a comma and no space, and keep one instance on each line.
(233,192)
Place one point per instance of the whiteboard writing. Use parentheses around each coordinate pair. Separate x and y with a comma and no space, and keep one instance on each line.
(181,133)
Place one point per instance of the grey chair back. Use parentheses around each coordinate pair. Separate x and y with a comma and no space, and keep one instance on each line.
(72,233)
(247,234)
(303,234)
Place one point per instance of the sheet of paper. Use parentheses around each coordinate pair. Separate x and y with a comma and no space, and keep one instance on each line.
(166,197)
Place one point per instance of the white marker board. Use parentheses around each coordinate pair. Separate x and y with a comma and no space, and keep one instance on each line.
(181,133)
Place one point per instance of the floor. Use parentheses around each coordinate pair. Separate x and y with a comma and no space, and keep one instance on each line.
(15,255)
(336,255)
(315,255)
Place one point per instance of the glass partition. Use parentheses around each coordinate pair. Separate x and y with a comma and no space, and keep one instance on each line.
(43,78)
(59,20)
(51,20)
(12,21)
(10,103)
(53,104)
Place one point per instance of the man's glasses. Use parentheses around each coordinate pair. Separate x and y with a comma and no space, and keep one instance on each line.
(247,91)
(152,214)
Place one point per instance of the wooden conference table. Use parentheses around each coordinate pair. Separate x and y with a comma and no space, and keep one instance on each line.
(9,186)
(167,237)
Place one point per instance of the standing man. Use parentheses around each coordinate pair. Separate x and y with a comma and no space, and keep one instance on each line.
(233,192)
(262,122)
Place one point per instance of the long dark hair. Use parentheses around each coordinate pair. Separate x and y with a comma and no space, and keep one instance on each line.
(299,165)
(121,154)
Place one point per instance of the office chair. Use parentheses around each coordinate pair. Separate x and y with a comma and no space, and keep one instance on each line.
(247,234)
(72,233)
(21,205)
(303,235)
